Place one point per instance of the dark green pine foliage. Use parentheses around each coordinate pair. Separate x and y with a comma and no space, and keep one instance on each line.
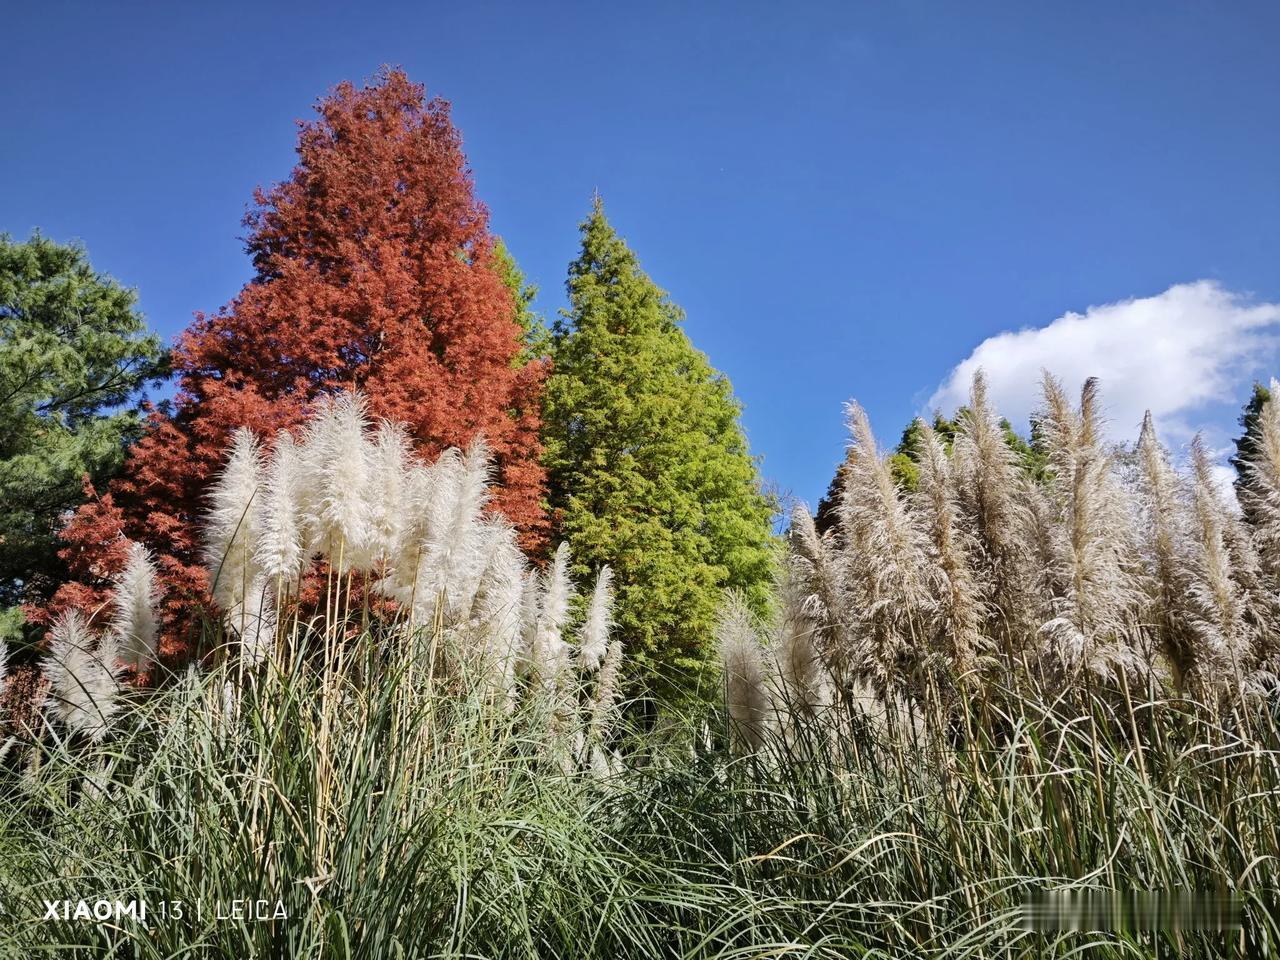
(74,354)
(534,333)
(1247,444)
(648,468)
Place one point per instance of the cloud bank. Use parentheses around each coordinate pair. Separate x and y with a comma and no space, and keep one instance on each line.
(1176,354)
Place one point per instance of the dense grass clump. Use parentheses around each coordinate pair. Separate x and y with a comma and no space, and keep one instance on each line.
(404,741)
(387,823)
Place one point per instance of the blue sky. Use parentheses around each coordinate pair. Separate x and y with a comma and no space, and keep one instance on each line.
(847,199)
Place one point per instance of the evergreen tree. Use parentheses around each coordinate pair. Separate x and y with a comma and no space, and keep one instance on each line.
(1247,444)
(74,354)
(648,468)
(533,329)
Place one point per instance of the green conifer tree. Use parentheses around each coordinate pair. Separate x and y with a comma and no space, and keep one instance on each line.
(1247,445)
(74,354)
(648,467)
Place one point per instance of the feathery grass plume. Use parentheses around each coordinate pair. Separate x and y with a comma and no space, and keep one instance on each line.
(594,642)
(746,675)
(448,533)
(1262,491)
(279,552)
(814,567)
(230,534)
(133,620)
(884,560)
(1218,615)
(1164,534)
(84,676)
(530,613)
(603,715)
(805,686)
(390,458)
(405,564)
(1095,604)
(497,611)
(995,497)
(338,487)
(604,702)
(550,651)
(254,622)
(960,609)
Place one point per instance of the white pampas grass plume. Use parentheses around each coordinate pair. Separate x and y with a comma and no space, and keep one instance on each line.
(279,552)
(550,653)
(83,674)
(230,537)
(594,643)
(253,622)
(338,487)
(498,606)
(390,458)
(133,620)
(447,532)
(742,657)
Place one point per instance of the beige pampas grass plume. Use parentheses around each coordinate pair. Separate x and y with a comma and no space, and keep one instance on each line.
(1219,619)
(84,677)
(133,620)
(1092,613)
(959,605)
(997,502)
(1261,492)
(746,676)
(604,704)
(884,560)
(814,567)
(1163,533)
(804,686)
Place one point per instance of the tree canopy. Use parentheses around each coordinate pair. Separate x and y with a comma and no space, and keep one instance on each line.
(648,467)
(74,357)
(374,270)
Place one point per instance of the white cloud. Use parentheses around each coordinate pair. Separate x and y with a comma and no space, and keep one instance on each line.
(1176,354)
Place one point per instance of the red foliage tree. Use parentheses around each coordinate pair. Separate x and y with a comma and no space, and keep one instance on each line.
(374,270)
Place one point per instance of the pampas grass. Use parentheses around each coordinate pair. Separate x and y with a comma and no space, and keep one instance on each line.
(1087,575)
(133,621)
(594,642)
(83,670)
